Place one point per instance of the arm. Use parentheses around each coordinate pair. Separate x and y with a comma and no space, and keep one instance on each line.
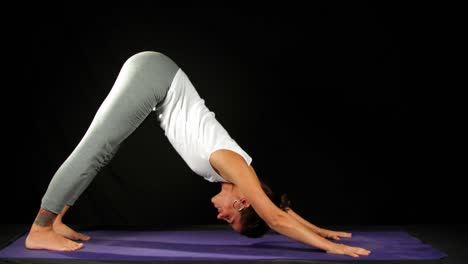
(234,169)
(304,222)
(320,231)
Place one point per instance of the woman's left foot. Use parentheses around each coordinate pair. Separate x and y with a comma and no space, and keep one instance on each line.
(69,233)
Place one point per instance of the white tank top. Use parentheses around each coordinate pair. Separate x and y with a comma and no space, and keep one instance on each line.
(192,128)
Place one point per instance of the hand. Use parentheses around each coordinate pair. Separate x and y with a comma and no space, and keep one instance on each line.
(333,234)
(341,249)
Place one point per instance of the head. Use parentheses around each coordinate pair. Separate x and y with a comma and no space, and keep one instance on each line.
(235,209)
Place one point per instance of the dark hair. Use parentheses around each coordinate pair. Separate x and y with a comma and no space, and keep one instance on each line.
(252,225)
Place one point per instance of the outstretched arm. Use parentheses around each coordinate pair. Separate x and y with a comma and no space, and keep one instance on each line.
(320,231)
(234,169)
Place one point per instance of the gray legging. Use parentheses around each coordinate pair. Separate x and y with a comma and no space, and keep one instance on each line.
(141,84)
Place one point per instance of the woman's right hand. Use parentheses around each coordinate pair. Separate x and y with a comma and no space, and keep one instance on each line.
(341,249)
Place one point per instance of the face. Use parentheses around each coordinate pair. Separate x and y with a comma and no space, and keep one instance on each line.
(223,202)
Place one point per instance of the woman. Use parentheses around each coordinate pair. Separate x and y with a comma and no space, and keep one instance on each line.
(150,81)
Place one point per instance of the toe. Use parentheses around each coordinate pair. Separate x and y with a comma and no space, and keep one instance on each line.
(83,237)
(77,246)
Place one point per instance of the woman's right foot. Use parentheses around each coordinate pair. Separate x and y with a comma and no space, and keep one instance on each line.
(50,240)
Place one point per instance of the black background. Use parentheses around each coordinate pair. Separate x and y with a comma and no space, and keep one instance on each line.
(341,106)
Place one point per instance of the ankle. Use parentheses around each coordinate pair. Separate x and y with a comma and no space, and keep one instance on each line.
(37,228)
(58,220)
(44,220)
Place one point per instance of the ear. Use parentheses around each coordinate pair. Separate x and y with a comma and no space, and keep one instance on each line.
(245,202)
(241,197)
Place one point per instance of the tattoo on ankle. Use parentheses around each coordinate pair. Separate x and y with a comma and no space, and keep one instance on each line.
(45,218)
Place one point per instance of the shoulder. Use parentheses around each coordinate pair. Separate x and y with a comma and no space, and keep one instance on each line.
(223,157)
(229,164)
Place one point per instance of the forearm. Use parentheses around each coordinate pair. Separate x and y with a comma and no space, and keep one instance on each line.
(304,222)
(288,226)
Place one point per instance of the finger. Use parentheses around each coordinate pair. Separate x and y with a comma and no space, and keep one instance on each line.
(362,251)
(344,234)
(336,237)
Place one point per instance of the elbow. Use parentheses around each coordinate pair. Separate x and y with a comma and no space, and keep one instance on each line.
(279,220)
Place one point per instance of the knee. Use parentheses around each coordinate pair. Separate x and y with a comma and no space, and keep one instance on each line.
(104,153)
(146,58)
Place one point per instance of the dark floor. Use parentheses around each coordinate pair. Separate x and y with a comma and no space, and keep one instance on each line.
(451,239)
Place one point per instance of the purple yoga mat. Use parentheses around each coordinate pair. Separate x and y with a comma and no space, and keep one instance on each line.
(225,245)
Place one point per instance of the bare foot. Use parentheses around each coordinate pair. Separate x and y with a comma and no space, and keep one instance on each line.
(67,232)
(50,240)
